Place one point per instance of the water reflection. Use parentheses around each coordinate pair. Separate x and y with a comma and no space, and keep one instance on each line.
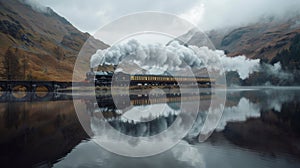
(136,117)
(183,155)
(35,132)
(260,127)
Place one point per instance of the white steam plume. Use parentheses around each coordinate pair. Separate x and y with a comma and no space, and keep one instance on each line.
(173,57)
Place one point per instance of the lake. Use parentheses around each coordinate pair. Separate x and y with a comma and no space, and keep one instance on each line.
(259,127)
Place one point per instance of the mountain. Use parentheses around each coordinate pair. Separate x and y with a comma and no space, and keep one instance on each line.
(38,44)
(270,40)
(257,40)
(261,40)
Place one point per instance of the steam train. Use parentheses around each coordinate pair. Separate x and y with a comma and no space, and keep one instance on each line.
(106,78)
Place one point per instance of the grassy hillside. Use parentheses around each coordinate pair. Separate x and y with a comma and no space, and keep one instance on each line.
(38,45)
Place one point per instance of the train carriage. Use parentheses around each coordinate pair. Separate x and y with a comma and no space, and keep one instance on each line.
(103,78)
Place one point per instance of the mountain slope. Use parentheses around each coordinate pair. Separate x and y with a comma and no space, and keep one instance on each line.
(271,41)
(258,40)
(38,45)
(261,40)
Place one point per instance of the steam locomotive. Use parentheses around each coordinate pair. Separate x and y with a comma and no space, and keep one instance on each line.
(106,78)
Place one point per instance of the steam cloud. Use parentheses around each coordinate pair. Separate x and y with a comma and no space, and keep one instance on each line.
(158,58)
(276,70)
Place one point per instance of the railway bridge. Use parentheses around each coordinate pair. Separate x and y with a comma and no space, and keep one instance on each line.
(31,86)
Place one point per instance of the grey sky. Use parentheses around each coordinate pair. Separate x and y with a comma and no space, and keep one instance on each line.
(90,15)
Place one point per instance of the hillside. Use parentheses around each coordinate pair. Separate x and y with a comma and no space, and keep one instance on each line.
(257,40)
(261,40)
(270,41)
(38,45)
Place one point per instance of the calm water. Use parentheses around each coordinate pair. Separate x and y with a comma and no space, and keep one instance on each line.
(260,127)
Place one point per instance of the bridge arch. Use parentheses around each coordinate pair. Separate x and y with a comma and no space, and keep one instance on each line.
(42,87)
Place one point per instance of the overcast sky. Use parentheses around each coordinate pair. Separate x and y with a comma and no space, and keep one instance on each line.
(90,15)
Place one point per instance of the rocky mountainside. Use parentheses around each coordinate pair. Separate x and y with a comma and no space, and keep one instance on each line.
(38,45)
(261,40)
(270,40)
(258,40)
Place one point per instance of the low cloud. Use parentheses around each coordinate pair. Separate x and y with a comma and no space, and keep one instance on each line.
(207,14)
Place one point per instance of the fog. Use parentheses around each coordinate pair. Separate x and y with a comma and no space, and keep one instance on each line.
(206,14)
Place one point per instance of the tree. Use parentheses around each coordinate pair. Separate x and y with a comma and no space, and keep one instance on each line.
(11,64)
